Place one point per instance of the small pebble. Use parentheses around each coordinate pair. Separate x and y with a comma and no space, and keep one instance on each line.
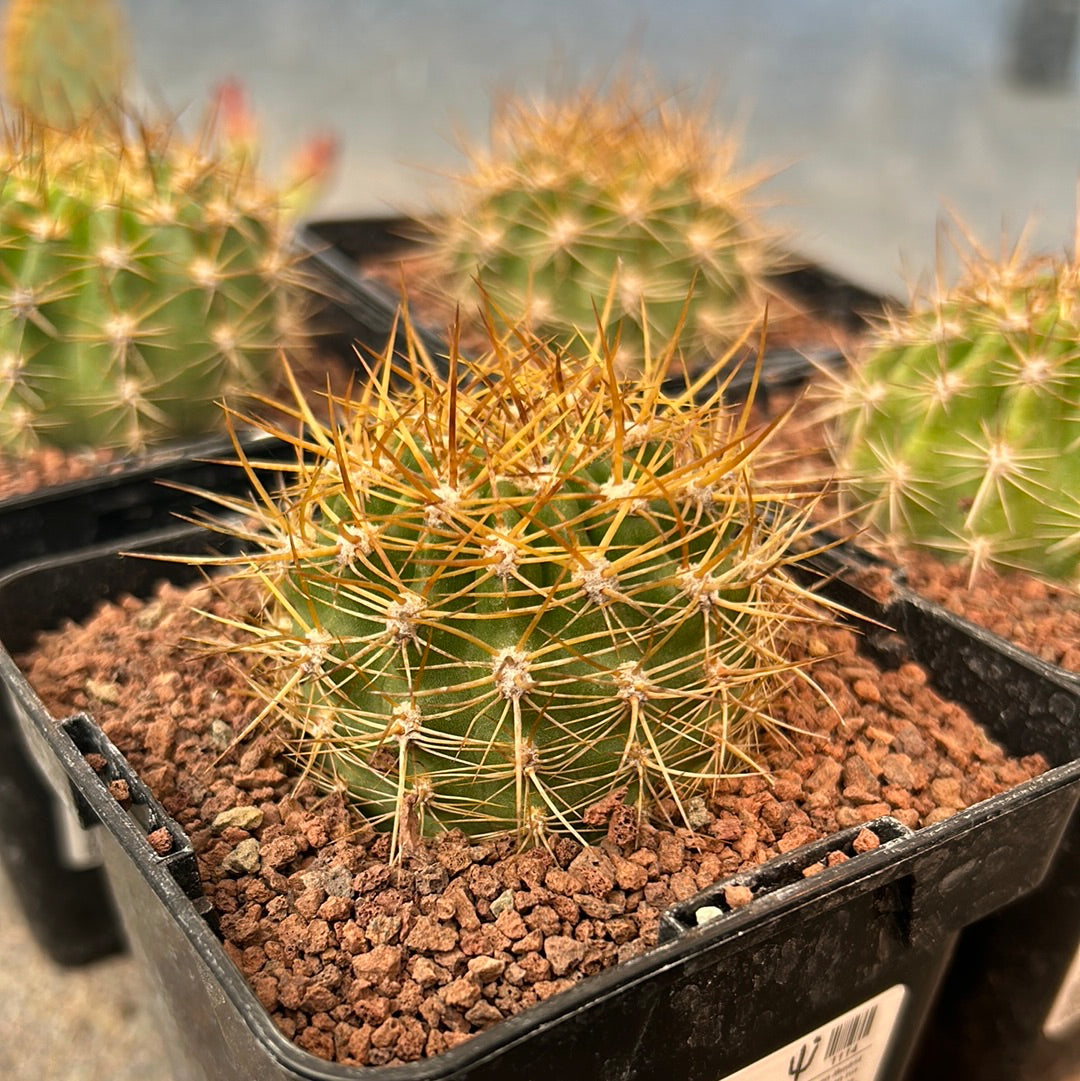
(120,791)
(737,896)
(245,818)
(243,859)
(503,903)
(160,841)
(865,841)
(106,692)
(707,913)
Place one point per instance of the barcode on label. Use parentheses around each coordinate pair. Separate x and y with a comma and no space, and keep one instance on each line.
(850,1033)
(850,1047)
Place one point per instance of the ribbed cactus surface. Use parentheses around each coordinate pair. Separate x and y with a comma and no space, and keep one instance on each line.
(961,424)
(140,280)
(597,206)
(498,597)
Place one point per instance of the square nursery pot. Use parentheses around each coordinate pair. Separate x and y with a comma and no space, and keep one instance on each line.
(65,902)
(141,494)
(830,976)
(351,311)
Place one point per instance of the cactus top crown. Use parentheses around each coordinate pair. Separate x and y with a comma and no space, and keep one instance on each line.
(960,428)
(499,596)
(64,61)
(595,205)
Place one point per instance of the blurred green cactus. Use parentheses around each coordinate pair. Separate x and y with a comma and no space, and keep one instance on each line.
(597,205)
(960,427)
(140,280)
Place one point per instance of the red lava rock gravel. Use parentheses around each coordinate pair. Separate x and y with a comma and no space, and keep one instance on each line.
(370,964)
(1041,617)
(48,468)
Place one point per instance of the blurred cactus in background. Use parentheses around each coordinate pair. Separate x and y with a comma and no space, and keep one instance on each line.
(960,427)
(597,204)
(143,275)
(65,60)
(141,279)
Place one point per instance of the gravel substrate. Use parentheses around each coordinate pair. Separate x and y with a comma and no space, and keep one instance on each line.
(365,962)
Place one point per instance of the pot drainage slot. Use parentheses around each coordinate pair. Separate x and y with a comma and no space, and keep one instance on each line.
(162,835)
(790,870)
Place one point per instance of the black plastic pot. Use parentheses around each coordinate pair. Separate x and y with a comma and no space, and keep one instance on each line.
(814,971)
(54,877)
(1010,1007)
(55,881)
(142,494)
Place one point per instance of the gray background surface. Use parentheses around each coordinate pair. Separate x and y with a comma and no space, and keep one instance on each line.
(880,114)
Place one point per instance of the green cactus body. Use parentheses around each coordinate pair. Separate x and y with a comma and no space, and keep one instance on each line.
(501,602)
(596,207)
(961,427)
(64,59)
(139,283)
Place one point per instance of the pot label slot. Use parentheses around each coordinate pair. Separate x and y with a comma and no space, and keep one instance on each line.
(850,1047)
(1065,1012)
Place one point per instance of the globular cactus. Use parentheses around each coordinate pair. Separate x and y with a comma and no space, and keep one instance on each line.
(64,60)
(499,596)
(960,427)
(141,279)
(596,205)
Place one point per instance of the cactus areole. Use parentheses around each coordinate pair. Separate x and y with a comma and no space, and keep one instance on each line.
(960,428)
(140,281)
(501,597)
